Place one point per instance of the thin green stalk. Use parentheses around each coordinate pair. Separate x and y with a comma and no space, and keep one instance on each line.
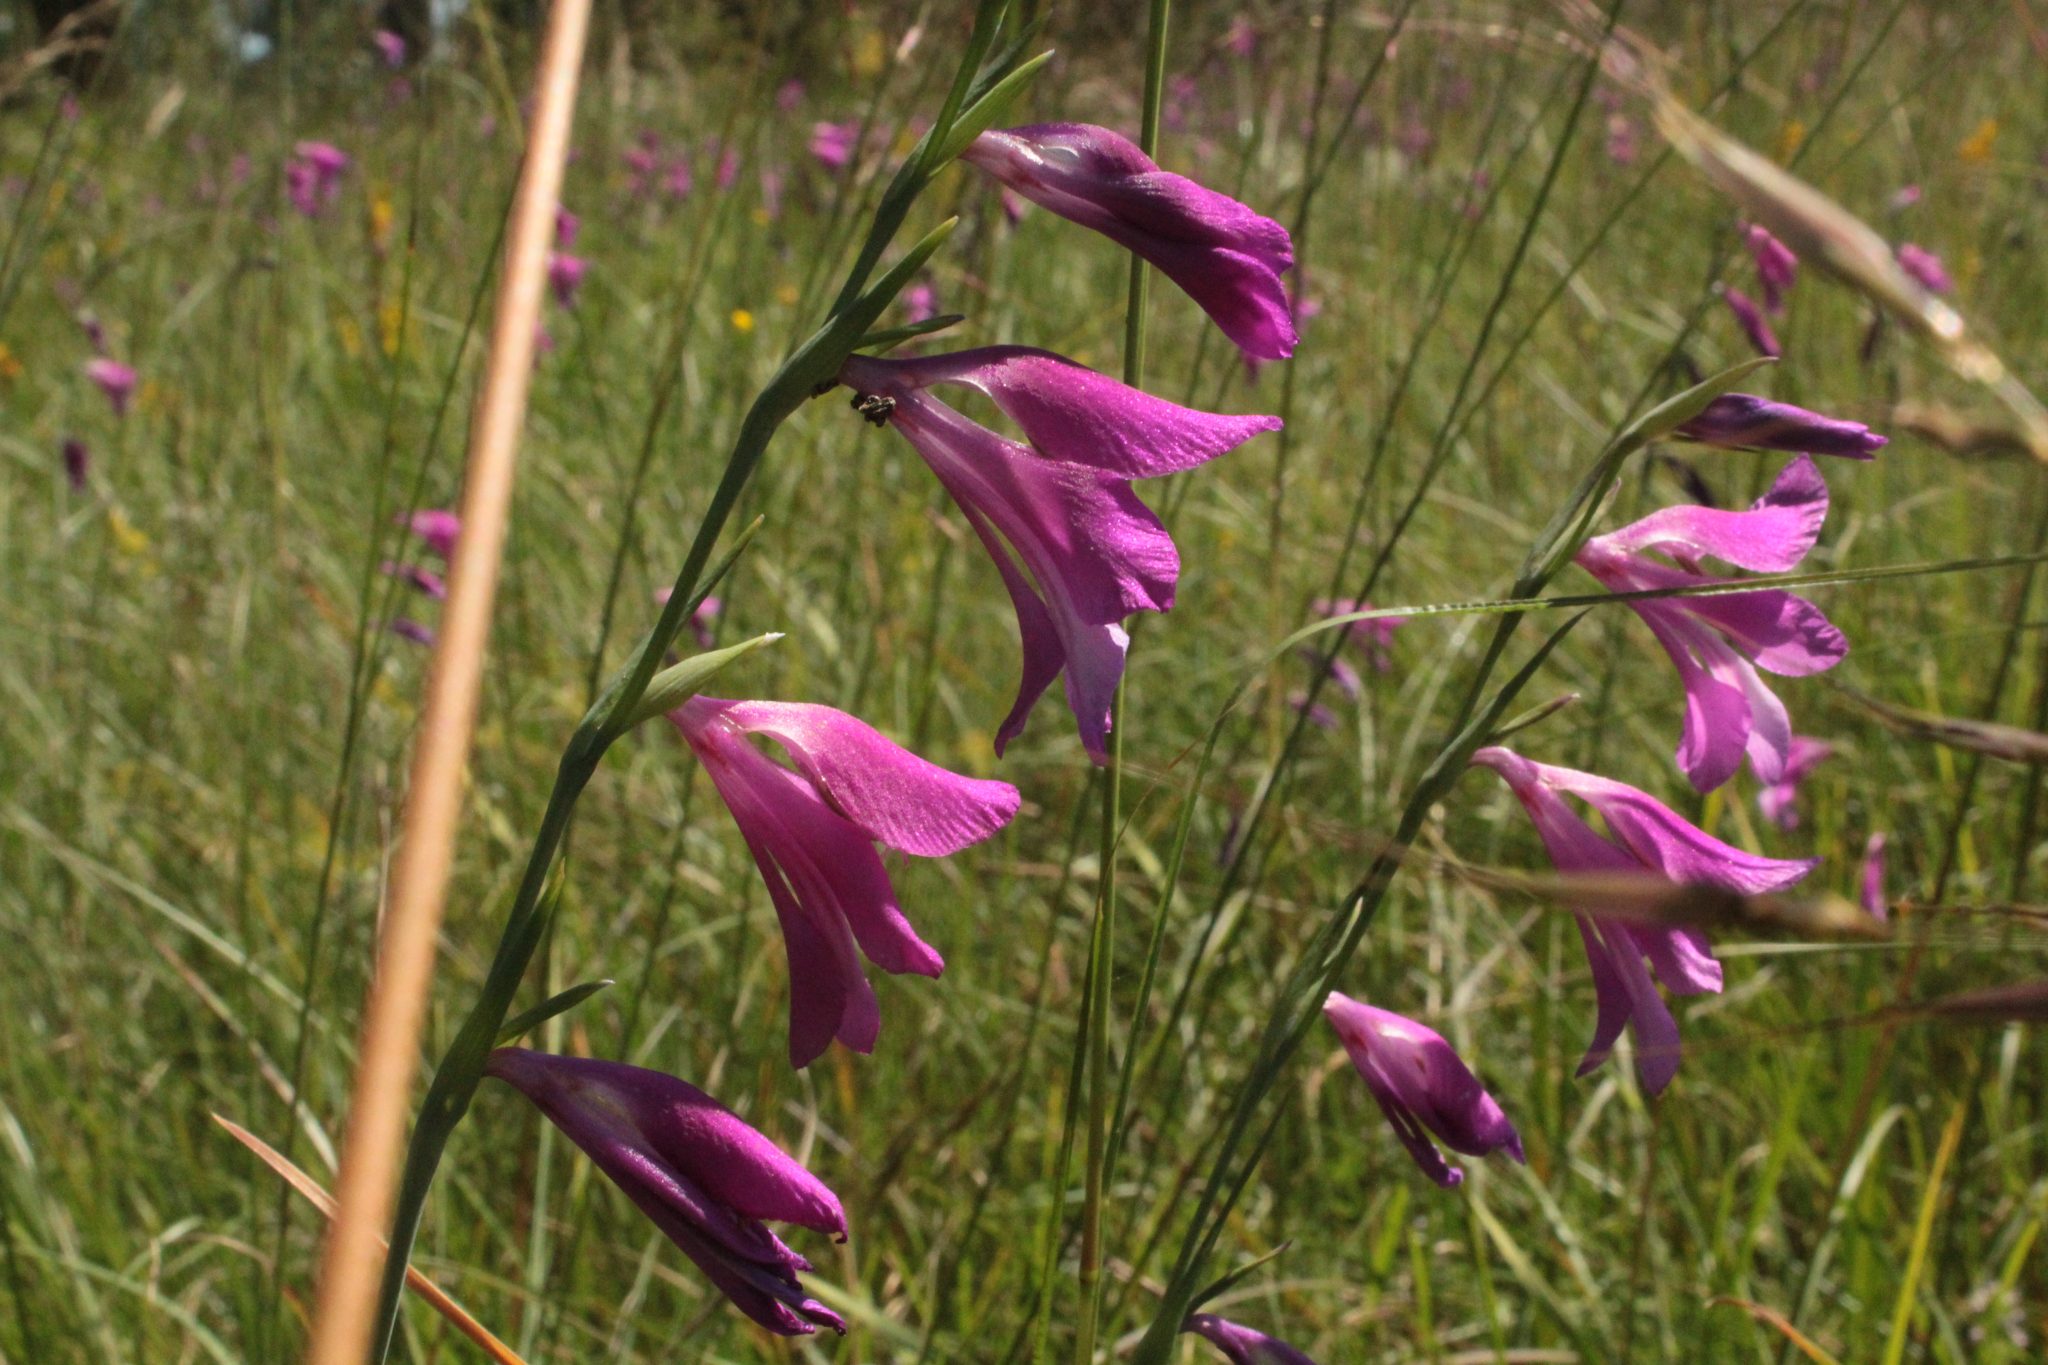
(1102,946)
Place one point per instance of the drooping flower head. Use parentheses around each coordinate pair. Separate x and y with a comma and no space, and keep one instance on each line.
(1779,801)
(1241,1345)
(1926,267)
(312,176)
(1228,259)
(813,831)
(1719,643)
(1422,1086)
(1776,266)
(1643,836)
(1744,421)
(1076,549)
(115,380)
(699,1172)
(1751,319)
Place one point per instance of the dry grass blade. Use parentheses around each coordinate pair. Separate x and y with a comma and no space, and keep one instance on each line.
(1959,433)
(2016,1002)
(2008,742)
(1647,899)
(1771,1317)
(434,1296)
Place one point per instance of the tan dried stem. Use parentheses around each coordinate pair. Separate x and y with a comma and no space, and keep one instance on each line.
(396,1002)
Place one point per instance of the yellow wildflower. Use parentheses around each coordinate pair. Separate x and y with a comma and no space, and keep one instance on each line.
(1975,149)
(1790,137)
(742,320)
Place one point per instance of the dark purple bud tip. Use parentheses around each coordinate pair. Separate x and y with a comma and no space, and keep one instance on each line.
(1746,421)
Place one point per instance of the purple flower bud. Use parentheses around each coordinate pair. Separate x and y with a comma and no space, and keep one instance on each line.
(77,463)
(700,1173)
(1743,421)
(438,528)
(408,629)
(1422,1086)
(1228,259)
(1926,267)
(567,225)
(832,143)
(1241,1345)
(313,176)
(115,380)
(390,47)
(1776,266)
(423,580)
(1751,319)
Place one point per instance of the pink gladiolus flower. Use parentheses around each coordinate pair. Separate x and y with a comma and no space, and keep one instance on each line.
(1719,643)
(438,528)
(1779,801)
(312,177)
(390,47)
(1743,421)
(565,276)
(1926,267)
(832,143)
(1228,259)
(77,463)
(1241,39)
(1060,506)
(1751,319)
(813,833)
(679,181)
(1422,1086)
(1242,1345)
(1624,145)
(789,95)
(920,301)
(1374,639)
(703,1175)
(1873,896)
(567,225)
(1776,266)
(115,380)
(1646,837)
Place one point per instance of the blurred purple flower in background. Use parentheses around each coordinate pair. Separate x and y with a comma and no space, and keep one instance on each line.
(813,832)
(1776,266)
(390,47)
(1719,642)
(1422,1086)
(1926,267)
(1647,837)
(832,143)
(1227,258)
(700,1173)
(312,176)
(115,380)
(1751,319)
(567,225)
(77,463)
(408,629)
(1872,892)
(1779,801)
(437,528)
(565,276)
(789,95)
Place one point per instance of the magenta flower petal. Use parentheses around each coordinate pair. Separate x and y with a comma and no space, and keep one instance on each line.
(1422,1086)
(1647,837)
(1771,537)
(1072,413)
(833,143)
(1751,319)
(1241,1345)
(812,836)
(697,1170)
(1745,421)
(896,796)
(1227,258)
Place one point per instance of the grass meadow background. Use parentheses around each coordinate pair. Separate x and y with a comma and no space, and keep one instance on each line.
(204,724)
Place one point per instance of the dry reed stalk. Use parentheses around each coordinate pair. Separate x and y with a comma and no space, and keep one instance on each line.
(373,1146)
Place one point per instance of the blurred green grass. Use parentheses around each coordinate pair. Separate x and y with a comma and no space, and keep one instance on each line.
(177,646)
